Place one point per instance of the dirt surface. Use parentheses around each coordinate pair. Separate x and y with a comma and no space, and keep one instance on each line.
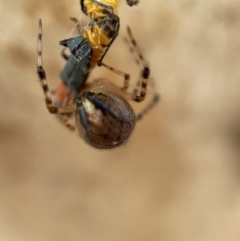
(177,178)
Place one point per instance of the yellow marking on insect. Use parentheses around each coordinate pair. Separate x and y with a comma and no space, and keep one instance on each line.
(98,40)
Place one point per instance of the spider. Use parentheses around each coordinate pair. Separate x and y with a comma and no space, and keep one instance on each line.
(103,115)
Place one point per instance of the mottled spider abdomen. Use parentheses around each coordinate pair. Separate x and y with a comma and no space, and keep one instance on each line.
(105,120)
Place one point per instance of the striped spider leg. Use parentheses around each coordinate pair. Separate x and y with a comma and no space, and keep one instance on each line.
(145,74)
(42,76)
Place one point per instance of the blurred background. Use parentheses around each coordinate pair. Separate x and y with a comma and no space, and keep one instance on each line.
(177,178)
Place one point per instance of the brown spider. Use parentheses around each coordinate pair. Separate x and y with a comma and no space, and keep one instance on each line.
(103,115)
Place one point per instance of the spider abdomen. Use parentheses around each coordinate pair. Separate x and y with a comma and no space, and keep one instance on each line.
(105,120)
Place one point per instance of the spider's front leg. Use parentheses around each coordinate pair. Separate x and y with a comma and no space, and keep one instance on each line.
(42,76)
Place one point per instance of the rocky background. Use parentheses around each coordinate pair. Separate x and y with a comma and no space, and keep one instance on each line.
(177,178)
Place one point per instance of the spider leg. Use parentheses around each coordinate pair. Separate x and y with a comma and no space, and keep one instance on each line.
(65,120)
(145,73)
(155,99)
(42,76)
(66,117)
(153,102)
(62,97)
(143,81)
(116,71)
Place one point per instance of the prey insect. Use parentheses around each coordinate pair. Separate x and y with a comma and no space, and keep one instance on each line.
(90,48)
(103,115)
(103,27)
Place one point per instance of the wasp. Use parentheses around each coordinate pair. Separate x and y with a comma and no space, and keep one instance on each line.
(89,49)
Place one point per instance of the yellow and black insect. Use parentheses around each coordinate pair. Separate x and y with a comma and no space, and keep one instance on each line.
(89,48)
